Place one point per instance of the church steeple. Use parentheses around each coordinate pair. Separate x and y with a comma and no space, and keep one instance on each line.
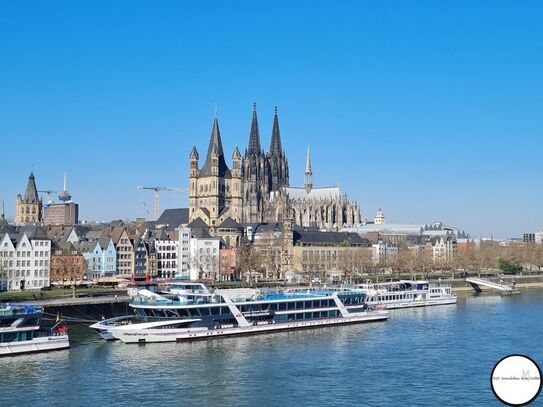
(275,146)
(215,149)
(254,137)
(308,174)
(31,193)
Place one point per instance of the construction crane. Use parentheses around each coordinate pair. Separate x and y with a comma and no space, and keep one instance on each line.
(156,196)
(49,195)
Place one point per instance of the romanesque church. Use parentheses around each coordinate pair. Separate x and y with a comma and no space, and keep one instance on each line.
(256,188)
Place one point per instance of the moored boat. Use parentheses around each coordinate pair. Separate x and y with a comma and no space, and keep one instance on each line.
(242,312)
(20,331)
(407,294)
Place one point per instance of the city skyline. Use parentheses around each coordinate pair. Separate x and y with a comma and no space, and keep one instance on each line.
(427,116)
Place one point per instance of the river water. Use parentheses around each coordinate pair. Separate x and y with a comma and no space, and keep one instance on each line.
(419,357)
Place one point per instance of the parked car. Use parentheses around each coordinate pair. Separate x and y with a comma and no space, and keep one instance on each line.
(46,288)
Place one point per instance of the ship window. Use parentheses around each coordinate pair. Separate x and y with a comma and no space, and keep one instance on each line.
(215,310)
(183,312)
(9,337)
(282,305)
(204,311)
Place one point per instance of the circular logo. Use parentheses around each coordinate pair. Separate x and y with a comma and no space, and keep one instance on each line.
(516,380)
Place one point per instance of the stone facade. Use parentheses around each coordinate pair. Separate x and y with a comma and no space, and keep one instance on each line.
(215,190)
(257,189)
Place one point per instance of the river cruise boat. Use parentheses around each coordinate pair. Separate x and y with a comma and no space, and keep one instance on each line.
(239,312)
(407,294)
(20,331)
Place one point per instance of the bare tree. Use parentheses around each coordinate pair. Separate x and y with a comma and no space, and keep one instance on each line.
(68,268)
(354,261)
(248,259)
(269,248)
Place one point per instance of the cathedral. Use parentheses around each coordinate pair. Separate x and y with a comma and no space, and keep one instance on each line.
(256,189)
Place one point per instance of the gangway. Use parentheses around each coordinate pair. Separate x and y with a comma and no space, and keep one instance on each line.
(476,283)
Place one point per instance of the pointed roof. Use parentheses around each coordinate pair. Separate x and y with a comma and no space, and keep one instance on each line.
(236,155)
(275,146)
(215,146)
(254,137)
(194,153)
(308,161)
(31,194)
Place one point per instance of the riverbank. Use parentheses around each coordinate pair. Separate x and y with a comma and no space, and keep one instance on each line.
(521,282)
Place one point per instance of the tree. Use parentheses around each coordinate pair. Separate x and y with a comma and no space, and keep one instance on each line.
(248,259)
(269,248)
(69,268)
(509,267)
(354,261)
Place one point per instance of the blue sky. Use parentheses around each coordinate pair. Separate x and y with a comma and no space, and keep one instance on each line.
(431,110)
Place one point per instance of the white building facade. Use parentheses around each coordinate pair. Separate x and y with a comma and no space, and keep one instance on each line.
(24,263)
(204,258)
(183,253)
(167,252)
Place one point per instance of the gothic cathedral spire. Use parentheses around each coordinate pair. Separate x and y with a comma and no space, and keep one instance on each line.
(275,146)
(308,174)
(254,137)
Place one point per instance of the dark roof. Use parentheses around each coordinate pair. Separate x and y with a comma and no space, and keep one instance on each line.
(5,227)
(309,238)
(104,242)
(198,223)
(230,223)
(215,147)
(266,227)
(199,233)
(31,194)
(33,232)
(172,218)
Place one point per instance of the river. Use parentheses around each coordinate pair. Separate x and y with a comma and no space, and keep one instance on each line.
(419,357)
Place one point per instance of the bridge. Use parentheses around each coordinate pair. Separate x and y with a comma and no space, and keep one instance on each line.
(476,283)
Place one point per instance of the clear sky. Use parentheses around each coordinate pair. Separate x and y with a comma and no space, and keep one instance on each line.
(432,110)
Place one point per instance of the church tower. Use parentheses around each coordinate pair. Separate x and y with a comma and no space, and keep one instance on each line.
(211,187)
(255,176)
(28,208)
(277,160)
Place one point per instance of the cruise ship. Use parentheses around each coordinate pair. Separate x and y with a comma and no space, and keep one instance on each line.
(20,331)
(407,294)
(199,315)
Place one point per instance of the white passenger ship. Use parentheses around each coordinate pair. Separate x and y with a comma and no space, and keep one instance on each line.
(20,331)
(197,315)
(407,294)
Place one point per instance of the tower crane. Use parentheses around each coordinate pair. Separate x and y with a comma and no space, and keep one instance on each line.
(156,192)
(49,195)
